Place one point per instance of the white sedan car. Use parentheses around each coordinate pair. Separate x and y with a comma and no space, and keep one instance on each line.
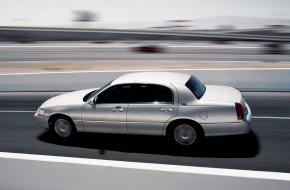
(169,104)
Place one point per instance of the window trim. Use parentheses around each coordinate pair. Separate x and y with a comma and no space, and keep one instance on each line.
(134,85)
(90,96)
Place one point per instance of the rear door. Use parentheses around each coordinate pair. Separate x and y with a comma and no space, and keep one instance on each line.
(149,108)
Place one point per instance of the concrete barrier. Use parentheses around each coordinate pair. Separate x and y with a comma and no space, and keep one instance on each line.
(246,79)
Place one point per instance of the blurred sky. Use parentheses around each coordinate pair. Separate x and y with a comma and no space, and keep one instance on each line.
(59,12)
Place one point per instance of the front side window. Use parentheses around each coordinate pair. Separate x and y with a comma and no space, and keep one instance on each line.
(151,93)
(196,87)
(115,94)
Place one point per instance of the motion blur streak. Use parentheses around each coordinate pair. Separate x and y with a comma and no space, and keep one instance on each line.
(267,117)
(8,111)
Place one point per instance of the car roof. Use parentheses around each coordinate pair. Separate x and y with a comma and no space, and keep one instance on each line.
(153,77)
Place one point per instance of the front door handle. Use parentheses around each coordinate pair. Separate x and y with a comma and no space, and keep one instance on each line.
(118,108)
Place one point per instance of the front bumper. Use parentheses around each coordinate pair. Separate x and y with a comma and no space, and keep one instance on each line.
(41,121)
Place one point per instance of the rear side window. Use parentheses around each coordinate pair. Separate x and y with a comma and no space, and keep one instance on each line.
(151,93)
(196,87)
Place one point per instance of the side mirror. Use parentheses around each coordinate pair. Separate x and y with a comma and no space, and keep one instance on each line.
(93,101)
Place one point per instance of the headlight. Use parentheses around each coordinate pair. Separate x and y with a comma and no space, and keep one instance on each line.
(40,112)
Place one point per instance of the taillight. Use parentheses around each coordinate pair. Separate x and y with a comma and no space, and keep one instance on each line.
(240,111)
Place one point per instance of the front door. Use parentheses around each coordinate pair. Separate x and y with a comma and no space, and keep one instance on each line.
(108,114)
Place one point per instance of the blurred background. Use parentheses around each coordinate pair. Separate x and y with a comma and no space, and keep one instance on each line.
(62,35)
(55,46)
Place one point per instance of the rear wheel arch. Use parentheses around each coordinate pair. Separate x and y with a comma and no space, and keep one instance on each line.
(173,124)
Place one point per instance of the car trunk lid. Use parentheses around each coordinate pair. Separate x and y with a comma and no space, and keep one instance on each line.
(222,94)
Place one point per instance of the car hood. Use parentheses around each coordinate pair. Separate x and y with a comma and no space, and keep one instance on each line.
(67,99)
(222,94)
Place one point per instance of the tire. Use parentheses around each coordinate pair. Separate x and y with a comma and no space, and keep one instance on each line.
(63,127)
(185,134)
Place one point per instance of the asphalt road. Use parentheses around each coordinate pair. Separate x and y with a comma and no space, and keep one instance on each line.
(123,51)
(265,149)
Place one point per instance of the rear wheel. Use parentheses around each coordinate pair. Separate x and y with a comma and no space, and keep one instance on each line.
(185,134)
(63,127)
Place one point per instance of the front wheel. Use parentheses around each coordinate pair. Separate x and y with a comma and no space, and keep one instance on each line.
(63,128)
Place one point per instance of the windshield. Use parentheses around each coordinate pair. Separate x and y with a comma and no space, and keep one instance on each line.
(196,87)
(93,93)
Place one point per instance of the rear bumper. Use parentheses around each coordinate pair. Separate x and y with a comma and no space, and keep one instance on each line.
(220,129)
(41,121)
(235,128)
(248,114)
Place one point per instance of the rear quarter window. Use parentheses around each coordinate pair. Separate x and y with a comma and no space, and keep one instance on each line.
(196,87)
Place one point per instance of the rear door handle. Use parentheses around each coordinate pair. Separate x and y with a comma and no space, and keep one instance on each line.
(164,109)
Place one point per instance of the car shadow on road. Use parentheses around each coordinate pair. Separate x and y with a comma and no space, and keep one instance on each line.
(238,146)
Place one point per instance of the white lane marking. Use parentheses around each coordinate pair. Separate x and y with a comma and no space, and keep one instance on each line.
(24,111)
(153,167)
(269,117)
(16,111)
(254,117)
(147,70)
